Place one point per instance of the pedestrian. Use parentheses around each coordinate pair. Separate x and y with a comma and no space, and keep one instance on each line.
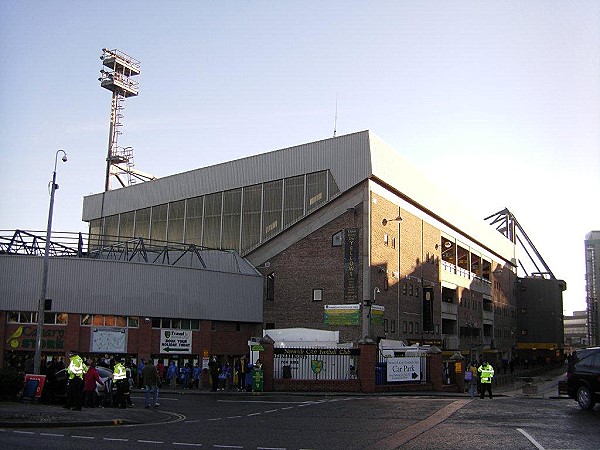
(90,379)
(120,379)
(172,374)
(214,368)
(185,374)
(140,367)
(240,368)
(486,373)
(196,376)
(474,379)
(150,378)
(76,370)
(161,372)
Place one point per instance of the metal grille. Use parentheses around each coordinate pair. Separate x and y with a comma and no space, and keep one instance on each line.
(315,363)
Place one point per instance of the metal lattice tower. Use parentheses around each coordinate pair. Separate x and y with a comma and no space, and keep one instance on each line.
(118,70)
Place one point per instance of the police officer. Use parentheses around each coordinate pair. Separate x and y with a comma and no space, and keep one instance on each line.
(76,370)
(486,373)
(122,383)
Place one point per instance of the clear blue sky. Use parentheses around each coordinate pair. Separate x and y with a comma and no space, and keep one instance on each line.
(499,101)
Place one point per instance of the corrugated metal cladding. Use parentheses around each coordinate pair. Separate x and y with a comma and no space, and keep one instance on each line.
(347,157)
(130,289)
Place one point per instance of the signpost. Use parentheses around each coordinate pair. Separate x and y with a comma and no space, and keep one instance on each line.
(404,369)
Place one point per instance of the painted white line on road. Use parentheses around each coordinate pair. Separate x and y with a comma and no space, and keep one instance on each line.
(189,444)
(288,407)
(52,434)
(271,448)
(227,446)
(23,432)
(150,442)
(530,438)
(116,439)
(191,421)
(83,437)
(270,411)
(234,417)
(253,414)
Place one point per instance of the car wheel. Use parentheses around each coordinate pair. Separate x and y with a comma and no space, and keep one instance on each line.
(584,398)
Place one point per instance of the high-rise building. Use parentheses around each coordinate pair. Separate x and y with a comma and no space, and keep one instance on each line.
(592,283)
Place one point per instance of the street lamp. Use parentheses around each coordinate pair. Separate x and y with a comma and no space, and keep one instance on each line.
(37,359)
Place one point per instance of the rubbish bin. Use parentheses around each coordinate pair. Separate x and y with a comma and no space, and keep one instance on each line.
(257,380)
(380,373)
(286,371)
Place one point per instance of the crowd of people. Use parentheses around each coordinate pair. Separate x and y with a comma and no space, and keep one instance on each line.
(84,379)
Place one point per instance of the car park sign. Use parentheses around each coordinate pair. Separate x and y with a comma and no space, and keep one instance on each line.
(406,368)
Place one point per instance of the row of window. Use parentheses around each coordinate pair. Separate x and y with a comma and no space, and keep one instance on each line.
(29,317)
(238,219)
(408,327)
(100,320)
(455,254)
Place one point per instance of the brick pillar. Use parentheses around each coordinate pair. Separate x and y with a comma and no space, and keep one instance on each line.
(459,372)
(266,357)
(436,371)
(366,366)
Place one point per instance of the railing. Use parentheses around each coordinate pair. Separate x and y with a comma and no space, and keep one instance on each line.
(315,363)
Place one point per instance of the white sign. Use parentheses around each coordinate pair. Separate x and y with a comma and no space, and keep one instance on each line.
(176,341)
(108,340)
(404,368)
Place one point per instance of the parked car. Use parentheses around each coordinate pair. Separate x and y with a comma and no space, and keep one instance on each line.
(55,390)
(583,377)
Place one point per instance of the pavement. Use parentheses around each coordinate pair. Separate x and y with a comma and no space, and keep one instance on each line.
(32,414)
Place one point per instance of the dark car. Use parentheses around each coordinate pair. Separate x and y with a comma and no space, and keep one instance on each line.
(55,389)
(583,377)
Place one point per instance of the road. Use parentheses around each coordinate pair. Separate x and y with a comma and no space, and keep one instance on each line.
(281,421)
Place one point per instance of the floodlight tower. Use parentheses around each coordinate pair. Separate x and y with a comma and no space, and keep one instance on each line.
(118,70)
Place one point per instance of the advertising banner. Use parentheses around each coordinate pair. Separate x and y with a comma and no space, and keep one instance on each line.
(342,314)
(377,312)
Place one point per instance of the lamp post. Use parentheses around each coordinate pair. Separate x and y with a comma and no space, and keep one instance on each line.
(37,359)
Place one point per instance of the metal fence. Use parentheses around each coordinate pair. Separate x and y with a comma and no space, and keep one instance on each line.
(315,363)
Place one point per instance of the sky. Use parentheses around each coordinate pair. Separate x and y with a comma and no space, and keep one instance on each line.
(498,101)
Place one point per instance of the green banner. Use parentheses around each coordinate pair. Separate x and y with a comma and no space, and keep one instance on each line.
(342,314)
(377,314)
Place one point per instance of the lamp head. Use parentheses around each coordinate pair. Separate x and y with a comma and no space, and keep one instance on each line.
(64,158)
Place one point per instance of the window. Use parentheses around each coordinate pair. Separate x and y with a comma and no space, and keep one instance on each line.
(273,194)
(385,239)
(293,200)
(411,328)
(270,326)
(385,325)
(410,289)
(193,220)
(316,190)
(404,327)
(393,326)
(404,288)
(416,291)
(213,325)
(317,295)
(212,220)
(270,287)
(238,326)
(176,219)
(337,239)
(158,227)
(251,216)
(232,216)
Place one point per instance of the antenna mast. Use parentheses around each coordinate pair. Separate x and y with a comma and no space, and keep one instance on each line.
(335,117)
